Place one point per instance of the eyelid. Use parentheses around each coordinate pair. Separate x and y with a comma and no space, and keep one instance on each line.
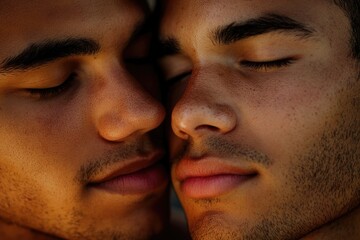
(46,93)
(268,65)
(175,67)
(171,81)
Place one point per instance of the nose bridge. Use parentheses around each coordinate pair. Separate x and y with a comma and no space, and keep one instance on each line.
(203,106)
(121,107)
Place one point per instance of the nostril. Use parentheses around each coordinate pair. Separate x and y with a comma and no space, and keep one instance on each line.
(182,132)
(202,117)
(208,127)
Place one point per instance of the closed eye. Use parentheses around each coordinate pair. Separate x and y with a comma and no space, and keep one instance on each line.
(269,65)
(45,93)
(171,81)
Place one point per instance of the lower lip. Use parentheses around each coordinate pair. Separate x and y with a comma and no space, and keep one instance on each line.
(141,182)
(212,186)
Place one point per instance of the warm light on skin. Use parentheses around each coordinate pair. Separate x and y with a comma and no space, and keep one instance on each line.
(98,112)
(277,98)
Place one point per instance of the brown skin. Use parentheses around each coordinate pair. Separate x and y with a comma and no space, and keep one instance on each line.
(300,121)
(110,111)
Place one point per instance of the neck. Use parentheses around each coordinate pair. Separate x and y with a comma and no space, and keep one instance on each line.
(9,231)
(345,227)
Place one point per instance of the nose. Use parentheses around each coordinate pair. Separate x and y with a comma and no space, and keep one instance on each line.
(202,109)
(122,108)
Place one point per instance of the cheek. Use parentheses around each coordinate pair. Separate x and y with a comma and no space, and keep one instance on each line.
(22,197)
(286,112)
(41,128)
(36,170)
(38,147)
(31,143)
(279,125)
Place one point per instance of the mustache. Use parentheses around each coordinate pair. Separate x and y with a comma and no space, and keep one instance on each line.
(219,147)
(92,168)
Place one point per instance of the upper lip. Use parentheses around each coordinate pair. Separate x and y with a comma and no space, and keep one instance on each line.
(129,166)
(208,166)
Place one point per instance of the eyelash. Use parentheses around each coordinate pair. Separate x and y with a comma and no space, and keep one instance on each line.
(171,81)
(268,65)
(255,65)
(45,93)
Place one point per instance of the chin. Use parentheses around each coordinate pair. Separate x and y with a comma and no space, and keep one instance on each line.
(145,218)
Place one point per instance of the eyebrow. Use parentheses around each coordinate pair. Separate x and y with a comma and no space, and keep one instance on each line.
(234,32)
(41,53)
(237,31)
(166,47)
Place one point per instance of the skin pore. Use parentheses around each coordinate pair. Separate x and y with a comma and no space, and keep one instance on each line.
(78,106)
(268,91)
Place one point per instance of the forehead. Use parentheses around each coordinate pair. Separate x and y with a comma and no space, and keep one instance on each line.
(198,17)
(24,22)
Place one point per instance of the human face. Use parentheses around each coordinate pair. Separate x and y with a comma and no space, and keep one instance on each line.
(265,115)
(78,159)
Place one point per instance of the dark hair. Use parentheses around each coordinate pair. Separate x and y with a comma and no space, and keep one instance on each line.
(352,10)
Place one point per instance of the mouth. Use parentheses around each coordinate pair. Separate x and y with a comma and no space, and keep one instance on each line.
(140,175)
(210,177)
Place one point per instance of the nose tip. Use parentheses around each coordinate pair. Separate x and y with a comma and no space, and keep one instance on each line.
(125,109)
(138,118)
(198,118)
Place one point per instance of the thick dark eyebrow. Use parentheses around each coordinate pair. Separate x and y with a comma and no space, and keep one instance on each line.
(270,23)
(168,46)
(41,53)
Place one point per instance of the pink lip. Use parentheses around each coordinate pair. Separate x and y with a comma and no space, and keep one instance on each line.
(140,175)
(210,177)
